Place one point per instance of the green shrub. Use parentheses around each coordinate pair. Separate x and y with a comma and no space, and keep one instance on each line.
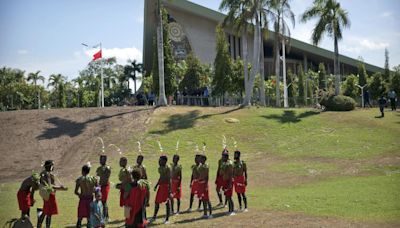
(338,103)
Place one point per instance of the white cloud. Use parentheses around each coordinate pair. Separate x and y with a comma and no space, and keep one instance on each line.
(357,45)
(22,52)
(121,54)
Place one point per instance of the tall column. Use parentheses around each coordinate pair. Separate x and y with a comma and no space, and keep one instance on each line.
(305,63)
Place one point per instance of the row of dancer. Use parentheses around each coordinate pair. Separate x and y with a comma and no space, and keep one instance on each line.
(134,189)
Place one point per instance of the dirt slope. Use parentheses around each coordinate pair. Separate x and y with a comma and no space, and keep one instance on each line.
(68,136)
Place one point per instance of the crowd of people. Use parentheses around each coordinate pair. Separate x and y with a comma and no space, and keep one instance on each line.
(134,189)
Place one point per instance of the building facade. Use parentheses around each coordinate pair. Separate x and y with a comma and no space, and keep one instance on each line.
(191,28)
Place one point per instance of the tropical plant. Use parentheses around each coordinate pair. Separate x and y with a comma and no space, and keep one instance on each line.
(281,9)
(130,71)
(222,65)
(331,19)
(169,67)
(57,82)
(254,12)
(35,77)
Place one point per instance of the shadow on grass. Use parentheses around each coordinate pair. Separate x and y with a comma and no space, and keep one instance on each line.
(289,116)
(185,121)
(72,128)
(379,117)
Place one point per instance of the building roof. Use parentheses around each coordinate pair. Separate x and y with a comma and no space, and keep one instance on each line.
(190,7)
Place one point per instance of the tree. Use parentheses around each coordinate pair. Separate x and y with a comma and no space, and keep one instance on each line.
(192,77)
(57,82)
(395,81)
(282,9)
(350,86)
(169,66)
(301,85)
(362,74)
(162,99)
(249,11)
(222,65)
(35,77)
(130,71)
(377,86)
(386,74)
(321,77)
(331,19)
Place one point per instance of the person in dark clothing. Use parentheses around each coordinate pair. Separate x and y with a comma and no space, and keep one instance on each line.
(382,103)
(366,99)
(393,98)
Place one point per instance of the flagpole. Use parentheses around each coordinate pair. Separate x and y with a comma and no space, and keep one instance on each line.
(102,79)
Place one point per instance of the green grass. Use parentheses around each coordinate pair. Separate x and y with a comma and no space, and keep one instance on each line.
(303,168)
(301,139)
(373,198)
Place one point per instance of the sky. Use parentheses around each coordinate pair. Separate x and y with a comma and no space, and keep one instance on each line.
(46,35)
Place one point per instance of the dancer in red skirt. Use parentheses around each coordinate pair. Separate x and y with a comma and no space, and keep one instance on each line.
(219,180)
(25,194)
(194,182)
(227,176)
(50,208)
(136,201)
(163,188)
(203,187)
(240,179)
(125,178)
(104,172)
(176,182)
(84,189)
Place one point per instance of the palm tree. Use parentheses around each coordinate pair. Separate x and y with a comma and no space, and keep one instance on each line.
(331,19)
(56,81)
(162,100)
(257,12)
(34,77)
(282,10)
(238,17)
(130,71)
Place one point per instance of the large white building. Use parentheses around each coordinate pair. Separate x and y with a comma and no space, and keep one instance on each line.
(192,28)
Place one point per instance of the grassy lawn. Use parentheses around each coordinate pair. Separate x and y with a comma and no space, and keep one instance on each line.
(342,165)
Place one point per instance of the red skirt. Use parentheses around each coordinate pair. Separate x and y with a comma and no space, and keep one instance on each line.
(50,206)
(219,182)
(176,183)
(105,189)
(195,187)
(24,200)
(121,198)
(203,191)
(238,183)
(162,193)
(227,190)
(84,206)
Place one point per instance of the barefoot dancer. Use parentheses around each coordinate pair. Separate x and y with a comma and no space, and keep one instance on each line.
(25,194)
(194,181)
(227,175)
(125,178)
(50,208)
(84,189)
(176,182)
(203,185)
(163,188)
(136,201)
(104,172)
(240,179)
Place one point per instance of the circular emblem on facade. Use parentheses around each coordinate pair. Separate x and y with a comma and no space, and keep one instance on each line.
(175,32)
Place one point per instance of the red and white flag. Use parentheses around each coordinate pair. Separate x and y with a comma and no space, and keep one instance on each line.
(97,55)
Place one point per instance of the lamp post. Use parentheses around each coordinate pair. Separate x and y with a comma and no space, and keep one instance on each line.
(101,73)
(362,94)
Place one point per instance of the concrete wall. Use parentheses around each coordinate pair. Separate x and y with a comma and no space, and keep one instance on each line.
(201,34)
